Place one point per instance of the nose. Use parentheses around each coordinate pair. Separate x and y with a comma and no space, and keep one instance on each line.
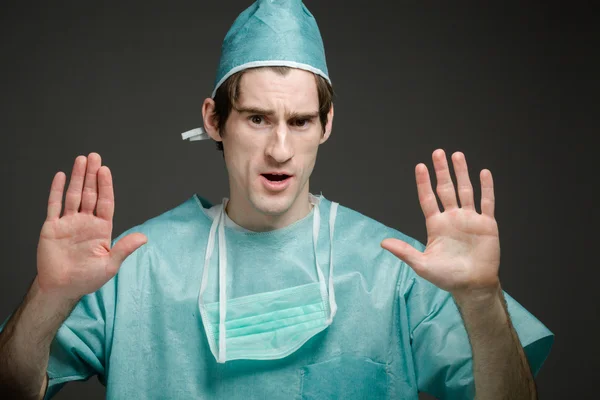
(280,146)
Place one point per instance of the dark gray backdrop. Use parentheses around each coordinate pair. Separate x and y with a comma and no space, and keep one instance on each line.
(512,87)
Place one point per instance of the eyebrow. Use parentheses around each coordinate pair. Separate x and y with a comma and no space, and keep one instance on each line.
(267,112)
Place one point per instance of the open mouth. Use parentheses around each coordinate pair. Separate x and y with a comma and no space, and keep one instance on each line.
(276,177)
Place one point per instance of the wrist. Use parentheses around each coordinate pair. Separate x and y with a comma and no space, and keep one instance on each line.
(52,300)
(482,309)
(480,298)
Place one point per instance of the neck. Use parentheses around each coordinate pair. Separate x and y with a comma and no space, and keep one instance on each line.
(242,212)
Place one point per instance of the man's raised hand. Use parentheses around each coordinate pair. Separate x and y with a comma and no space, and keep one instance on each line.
(74,256)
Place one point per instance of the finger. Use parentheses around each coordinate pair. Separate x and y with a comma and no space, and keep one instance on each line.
(73,197)
(405,252)
(427,198)
(487,193)
(123,249)
(89,195)
(56,194)
(445,187)
(463,183)
(105,208)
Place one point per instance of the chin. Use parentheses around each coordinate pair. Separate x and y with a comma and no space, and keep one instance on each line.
(272,205)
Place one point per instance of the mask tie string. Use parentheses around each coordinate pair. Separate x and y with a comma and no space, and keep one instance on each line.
(332,303)
(222,285)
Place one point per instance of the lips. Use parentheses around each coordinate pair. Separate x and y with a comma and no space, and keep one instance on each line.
(276,181)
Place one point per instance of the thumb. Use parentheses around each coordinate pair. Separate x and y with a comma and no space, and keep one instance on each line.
(405,252)
(123,248)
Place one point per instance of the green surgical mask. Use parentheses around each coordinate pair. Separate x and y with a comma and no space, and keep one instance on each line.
(271,325)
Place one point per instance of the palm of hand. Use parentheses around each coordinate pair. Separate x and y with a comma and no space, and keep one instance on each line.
(82,243)
(463,247)
(463,250)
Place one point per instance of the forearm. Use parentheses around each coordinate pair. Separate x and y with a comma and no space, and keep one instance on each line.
(25,344)
(500,367)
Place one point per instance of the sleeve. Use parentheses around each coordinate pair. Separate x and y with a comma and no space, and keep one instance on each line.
(440,345)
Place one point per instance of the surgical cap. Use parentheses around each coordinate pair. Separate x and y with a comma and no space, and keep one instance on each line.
(272,33)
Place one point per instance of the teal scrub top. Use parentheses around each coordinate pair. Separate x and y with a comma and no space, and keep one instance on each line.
(394,334)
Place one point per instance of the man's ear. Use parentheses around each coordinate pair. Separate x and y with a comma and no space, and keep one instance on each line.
(328,126)
(208,117)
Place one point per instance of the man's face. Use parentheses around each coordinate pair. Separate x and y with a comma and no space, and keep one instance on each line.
(271,139)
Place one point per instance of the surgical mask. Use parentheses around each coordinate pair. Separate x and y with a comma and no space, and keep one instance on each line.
(271,325)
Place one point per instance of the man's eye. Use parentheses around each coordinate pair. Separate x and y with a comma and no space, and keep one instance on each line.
(256,119)
(300,123)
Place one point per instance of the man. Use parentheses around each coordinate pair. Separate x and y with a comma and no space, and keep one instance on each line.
(275,293)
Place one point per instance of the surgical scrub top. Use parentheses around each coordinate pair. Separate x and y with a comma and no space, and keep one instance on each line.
(394,334)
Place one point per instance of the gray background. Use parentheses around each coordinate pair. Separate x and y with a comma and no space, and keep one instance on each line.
(511,86)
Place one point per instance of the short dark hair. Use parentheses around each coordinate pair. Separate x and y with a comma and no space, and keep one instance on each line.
(228,93)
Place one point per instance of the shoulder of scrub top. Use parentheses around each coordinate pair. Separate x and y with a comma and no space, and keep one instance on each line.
(181,220)
(352,225)
(360,237)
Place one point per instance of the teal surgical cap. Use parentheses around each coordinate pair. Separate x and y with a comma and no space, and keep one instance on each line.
(272,33)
